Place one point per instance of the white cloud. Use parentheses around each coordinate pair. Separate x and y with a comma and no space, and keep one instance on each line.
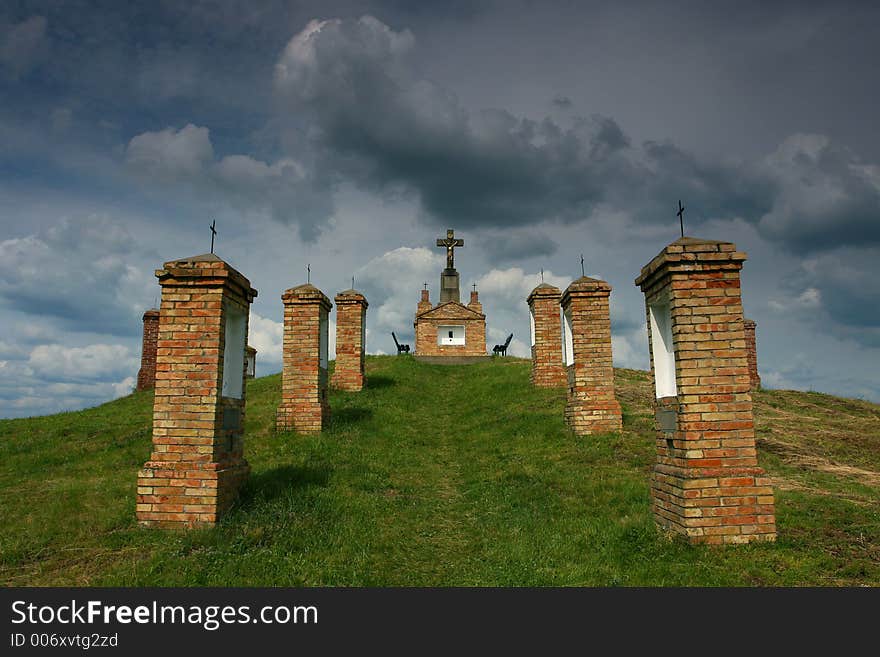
(169,153)
(808,300)
(515,285)
(55,362)
(57,378)
(391,284)
(285,189)
(267,337)
(81,271)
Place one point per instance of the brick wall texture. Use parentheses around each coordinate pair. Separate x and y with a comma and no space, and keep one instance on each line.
(706,482)
(450,313)
(749,326)
(147,374)
(592,406)
(305,405)
(548,370)
(197,464)
(351,317)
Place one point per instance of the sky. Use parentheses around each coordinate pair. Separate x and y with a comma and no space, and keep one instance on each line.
(348,136)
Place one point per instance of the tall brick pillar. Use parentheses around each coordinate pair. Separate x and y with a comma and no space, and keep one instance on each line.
(591,407)
(548,371)
(197,465)
(147,373)
(351,340)
(305,406)
(706,482)
(752,353)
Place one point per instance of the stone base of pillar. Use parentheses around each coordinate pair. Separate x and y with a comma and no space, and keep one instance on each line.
(305,417)
(348,380)
(707,507)
(586,416)
(181,495)
(548,377)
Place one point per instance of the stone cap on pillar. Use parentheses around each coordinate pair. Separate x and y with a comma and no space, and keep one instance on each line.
(350,296)
(749,323)
(306,293)
(152,312)
(205,270)
(586,287)
(689,253)
(544,290)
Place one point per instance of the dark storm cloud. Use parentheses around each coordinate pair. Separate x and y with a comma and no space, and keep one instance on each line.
(838,294)
(507,247)
(380,124)
(562,102)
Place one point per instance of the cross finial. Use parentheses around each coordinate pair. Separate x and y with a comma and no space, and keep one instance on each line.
(352,282)
(426,285)
(542,274)
(680,214)
(582,265)
(309,273)
(213,232)
(475,287)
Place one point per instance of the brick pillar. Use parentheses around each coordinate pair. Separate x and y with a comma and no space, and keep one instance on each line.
(351,326)
(548,371)
(304,397)
(197,465)
(424,302)
(591,407)
(147,373)
(752,353)
(706,482)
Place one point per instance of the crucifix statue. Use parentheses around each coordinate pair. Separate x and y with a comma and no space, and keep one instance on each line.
(450,243)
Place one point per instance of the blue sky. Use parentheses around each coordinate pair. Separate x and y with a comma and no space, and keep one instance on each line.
(348,136)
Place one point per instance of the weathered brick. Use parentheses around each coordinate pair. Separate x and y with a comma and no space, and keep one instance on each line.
(707,461)
(591,406)
(191,443)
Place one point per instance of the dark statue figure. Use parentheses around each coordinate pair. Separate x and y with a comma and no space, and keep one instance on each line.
(450,243)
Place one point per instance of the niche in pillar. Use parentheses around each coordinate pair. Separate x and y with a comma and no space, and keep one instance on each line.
(323,352)
(233,351)
(662,350)
(531,328)
(567,339)
(450,334)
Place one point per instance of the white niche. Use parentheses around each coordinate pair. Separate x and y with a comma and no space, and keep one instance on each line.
(567,339)
(233,352)
(662,349)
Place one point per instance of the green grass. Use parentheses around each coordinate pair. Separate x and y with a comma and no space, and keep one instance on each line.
(436,476)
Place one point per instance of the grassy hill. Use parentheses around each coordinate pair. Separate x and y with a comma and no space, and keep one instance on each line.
(436,476)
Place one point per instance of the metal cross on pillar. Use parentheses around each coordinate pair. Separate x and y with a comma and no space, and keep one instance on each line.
(680,214)
(213,233)
(450,243)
